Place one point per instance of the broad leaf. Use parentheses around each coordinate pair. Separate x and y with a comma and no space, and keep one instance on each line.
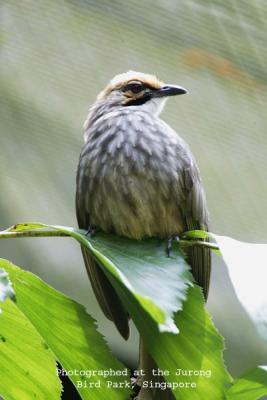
(158,282)
(140,266)
(250,386)
(27,365)
(197,348)
(68,331)
(247,267)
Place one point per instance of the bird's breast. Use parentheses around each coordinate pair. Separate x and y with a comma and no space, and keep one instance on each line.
(132,172)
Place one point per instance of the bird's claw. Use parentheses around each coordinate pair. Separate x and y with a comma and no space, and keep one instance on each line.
(91,230)
(171,239)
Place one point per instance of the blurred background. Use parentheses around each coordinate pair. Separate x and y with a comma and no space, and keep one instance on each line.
(56,57)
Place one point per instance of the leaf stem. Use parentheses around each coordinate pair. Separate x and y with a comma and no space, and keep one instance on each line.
(53,233)
(32,233)
(200,243)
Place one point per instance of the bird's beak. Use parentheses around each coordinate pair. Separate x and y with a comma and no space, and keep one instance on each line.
(168,90)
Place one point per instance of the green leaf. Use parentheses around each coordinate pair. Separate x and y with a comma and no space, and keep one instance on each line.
(27,365)
(198,347)
(196,234)
(250,386)
(139,266)
(24,226)
(145,266)
(6,289)
(68,331)
(247,267)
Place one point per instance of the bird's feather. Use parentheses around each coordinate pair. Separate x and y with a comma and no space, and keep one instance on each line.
(103,290)
(136,178)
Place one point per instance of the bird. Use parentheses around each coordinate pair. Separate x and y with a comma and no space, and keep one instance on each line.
(137,178)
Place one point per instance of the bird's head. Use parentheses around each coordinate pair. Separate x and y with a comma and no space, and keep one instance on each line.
(133,89)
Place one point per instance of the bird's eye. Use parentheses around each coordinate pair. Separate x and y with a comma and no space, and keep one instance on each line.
(134,87)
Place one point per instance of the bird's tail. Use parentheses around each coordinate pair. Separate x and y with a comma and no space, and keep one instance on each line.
(200,260)
(106,295)
(147,364)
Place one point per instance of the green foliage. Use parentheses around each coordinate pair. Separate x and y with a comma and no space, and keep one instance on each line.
(28,366)
(250,386)
(138,267)
(198,347)
(43,326)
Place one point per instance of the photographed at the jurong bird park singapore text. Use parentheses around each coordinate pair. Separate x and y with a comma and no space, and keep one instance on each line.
(133,156)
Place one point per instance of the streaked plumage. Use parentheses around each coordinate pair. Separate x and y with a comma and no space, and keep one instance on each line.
(137,177)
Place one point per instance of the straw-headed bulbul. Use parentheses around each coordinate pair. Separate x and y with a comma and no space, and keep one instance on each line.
(137,178)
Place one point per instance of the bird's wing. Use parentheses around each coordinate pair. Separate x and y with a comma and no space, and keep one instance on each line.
(191,200)
(104,292)
(196,217)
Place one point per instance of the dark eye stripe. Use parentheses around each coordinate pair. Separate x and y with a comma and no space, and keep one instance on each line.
(139,101)
(134,87)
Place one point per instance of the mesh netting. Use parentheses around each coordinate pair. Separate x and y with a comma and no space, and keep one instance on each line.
(57,55)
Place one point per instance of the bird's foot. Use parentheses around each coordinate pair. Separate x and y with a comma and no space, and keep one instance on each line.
(91,231)
(171,239)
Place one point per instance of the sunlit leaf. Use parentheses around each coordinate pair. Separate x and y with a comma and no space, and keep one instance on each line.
(198,347)
(27,365)
(250,386)
(68,331)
